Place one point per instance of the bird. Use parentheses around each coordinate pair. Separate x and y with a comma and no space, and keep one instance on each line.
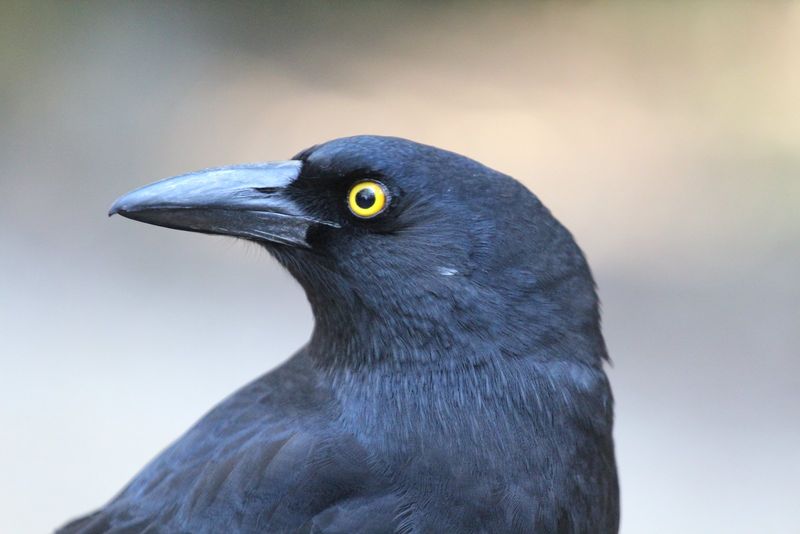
(454,380)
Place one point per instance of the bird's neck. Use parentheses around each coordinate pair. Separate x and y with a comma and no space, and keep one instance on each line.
(472,406)
(438,358)
(437,331)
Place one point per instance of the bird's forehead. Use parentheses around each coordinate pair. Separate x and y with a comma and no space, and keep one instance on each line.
(380,154)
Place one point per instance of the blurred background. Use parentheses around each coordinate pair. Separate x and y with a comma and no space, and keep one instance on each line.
(666,136)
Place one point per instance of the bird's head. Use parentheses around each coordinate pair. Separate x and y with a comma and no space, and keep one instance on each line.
(406,251)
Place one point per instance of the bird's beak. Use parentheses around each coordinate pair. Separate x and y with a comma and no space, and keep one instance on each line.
(247,201)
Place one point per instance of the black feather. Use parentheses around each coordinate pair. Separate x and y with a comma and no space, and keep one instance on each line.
(454,380)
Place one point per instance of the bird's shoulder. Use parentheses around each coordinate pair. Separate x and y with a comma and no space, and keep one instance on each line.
(277,457)
(268,458)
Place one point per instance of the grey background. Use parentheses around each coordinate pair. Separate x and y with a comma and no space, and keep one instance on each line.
(665,135)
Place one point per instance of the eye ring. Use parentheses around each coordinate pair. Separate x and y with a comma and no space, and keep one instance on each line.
(367,199)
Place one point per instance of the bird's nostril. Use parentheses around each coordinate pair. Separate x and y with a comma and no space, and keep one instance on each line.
(267,190)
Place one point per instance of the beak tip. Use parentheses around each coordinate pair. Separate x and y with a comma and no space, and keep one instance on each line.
(125,204)
(114,209)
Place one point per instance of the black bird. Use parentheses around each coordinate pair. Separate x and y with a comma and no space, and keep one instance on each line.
(454,378)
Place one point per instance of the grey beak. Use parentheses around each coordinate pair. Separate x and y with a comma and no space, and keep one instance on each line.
(249,201)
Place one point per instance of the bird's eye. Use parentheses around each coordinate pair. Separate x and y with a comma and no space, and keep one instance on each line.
(367,199)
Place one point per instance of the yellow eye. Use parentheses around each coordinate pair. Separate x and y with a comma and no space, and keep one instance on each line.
(367,199)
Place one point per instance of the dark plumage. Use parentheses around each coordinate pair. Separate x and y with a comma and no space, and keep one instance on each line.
(454,379)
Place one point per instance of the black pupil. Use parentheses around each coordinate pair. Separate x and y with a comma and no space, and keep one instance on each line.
(365,198)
